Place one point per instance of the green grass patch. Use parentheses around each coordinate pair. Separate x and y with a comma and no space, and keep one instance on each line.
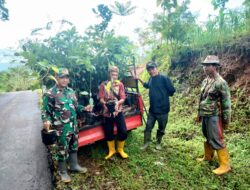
(174,167)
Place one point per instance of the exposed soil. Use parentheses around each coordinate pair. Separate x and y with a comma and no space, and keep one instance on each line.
(235,65)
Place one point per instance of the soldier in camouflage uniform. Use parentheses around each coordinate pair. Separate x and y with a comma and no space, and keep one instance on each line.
(59,113)
(215,113)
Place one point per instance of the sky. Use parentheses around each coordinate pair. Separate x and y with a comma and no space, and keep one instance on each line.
(25,15)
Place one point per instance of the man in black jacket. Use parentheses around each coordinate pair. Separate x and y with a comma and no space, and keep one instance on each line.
(160,88)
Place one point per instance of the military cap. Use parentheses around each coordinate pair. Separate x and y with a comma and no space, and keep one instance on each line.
(114,69)
(62,72)
(151,65)
(211,60)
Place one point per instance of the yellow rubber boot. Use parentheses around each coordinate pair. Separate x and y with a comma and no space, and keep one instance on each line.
(120,149)
(208,153)
(224,162)
(111,146)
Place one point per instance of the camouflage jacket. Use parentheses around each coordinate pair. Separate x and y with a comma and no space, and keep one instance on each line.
(60,107)
(215,98)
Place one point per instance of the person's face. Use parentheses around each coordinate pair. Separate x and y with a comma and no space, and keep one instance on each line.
(152,71)
(209,69)
(63,81)
(113,75)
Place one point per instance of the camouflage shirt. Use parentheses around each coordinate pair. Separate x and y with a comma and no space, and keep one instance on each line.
(215,98)
(60,107)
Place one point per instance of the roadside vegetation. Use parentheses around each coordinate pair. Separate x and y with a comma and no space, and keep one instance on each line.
(18,78)
(177,42)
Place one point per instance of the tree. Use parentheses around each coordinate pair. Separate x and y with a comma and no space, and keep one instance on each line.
(123,9)
(246,3)
(4,12)
(66,49)
(167,5)
(87,57)
(174,23)
(104,12)
(220,4)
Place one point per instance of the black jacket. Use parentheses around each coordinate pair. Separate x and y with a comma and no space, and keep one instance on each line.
(160,88)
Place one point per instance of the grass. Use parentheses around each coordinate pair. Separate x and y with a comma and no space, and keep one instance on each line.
(174,167)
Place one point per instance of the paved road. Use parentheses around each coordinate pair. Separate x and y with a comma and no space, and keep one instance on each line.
(23,157)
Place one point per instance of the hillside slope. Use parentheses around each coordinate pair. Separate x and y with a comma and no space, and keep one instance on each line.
(235,64)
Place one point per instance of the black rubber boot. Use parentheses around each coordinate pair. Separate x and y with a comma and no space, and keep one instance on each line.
(158,143)
(73,163)
(147,140)
(63,172)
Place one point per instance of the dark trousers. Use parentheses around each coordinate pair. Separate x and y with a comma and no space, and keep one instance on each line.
(212,130)
(162,120)
(108,125)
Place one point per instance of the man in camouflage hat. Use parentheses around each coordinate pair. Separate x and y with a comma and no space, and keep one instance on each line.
(59,113)
(215,113)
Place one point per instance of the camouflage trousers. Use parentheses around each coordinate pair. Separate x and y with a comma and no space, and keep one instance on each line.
(67,142)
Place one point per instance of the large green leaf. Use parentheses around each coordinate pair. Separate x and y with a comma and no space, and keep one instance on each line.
(55,69)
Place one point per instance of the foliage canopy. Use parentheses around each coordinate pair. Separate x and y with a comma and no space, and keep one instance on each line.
(87,57)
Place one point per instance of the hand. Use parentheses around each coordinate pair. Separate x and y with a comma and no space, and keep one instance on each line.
(136,77)
(46,125)
(117,106)
(88,108)
(115,113)
(105,109)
